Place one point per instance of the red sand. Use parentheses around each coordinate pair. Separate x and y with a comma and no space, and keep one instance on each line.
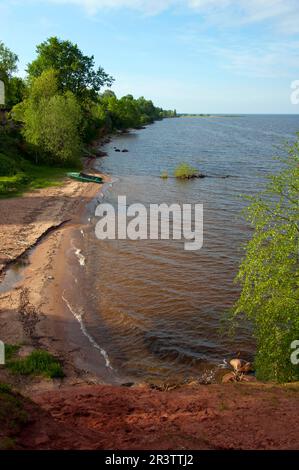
(233,416)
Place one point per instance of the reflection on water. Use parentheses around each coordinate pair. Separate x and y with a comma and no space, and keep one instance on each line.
(155,308)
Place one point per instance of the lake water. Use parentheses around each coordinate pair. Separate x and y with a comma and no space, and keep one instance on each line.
(155,308)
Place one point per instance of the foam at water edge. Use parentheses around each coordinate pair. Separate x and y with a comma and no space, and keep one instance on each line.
(80,257)
(78,253)
(78,317)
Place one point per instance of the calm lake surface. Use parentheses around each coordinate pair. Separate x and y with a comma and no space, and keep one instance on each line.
(154,308)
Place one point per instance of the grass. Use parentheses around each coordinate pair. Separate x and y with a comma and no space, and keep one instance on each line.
(185,171)
(18,173)
(31,177)
(37,363)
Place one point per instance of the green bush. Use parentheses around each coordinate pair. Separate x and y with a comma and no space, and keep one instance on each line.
(269,273)
(37,363)
(184,171)
(7,166)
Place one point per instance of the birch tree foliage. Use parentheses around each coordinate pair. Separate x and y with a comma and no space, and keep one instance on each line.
(269,274)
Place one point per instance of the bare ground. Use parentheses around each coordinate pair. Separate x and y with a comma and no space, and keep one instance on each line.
(232,416)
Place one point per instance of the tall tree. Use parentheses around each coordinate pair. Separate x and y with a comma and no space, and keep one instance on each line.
(76,72)
(8,62)
(14,86)
(51,121)
(15,91)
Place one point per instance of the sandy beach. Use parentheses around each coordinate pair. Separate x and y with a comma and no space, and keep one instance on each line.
(37,230)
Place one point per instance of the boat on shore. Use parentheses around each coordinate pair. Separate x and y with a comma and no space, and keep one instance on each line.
(85,178)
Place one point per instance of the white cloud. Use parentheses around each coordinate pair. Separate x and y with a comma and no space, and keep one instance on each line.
(257,57)
(94,6)
(263,57)
(282,14)
(270,62)
(226,12)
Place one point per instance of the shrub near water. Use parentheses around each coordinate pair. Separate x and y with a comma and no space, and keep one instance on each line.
(184,171)
(269,273)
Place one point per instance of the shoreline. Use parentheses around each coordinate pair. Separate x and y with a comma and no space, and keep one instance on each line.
(37,261)
(48,289)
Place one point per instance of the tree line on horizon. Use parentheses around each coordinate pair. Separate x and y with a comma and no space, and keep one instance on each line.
(60,106)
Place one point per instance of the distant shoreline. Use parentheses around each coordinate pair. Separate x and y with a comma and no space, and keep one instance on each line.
(205,116)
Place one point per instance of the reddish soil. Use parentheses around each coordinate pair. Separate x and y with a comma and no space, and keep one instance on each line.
(233,416)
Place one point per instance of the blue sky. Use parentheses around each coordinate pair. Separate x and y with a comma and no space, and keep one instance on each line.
(214,56)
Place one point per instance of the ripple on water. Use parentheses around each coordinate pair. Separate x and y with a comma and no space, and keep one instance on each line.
(154,307)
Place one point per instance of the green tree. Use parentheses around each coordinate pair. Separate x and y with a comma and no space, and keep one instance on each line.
(8,62)
(108,94)
(61,120)
(127,112)
(15,91)
(51,120)
(30,111)
(76,72)
(269,273)
(14,87)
